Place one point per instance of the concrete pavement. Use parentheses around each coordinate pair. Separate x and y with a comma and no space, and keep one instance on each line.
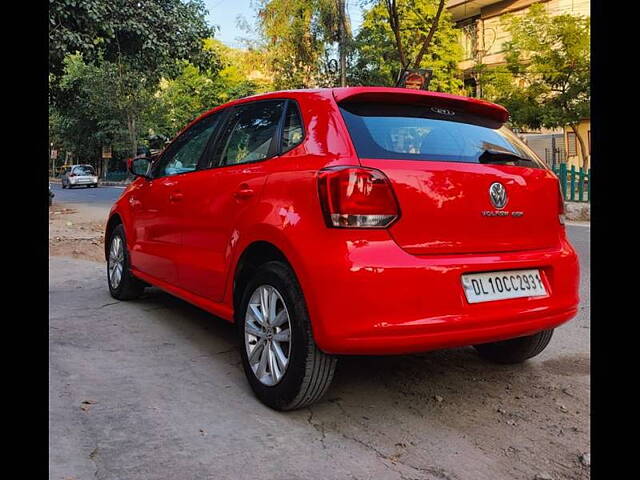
(154,389)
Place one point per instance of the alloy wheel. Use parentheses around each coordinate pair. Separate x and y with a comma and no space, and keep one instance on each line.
(267,335)
(116,261)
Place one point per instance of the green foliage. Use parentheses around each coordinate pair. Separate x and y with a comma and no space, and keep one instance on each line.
(107,58)
(546,81)
(104,103)
(376,60)
(75,26)
(196,90)
(149,34)
(297,38)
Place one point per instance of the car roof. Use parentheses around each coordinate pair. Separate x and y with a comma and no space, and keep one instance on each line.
(426,98)
(403,95)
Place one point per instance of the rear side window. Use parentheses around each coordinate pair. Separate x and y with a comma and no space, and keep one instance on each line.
(411,132)
(251,133)
(292,132)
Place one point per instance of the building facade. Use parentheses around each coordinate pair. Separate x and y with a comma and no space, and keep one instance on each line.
(481,35)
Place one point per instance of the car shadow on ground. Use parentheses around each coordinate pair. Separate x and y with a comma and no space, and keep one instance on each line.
(219,330)
(455,374)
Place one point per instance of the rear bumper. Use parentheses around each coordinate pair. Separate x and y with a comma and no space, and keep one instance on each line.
(382,300)
(457,332)
(82,181)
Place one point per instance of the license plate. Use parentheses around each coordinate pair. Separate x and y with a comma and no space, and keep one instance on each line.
(489,286)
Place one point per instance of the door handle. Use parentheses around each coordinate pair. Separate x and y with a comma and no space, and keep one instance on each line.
(175,197)
(244,192)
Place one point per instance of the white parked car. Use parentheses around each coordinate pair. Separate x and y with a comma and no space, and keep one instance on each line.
(79,175)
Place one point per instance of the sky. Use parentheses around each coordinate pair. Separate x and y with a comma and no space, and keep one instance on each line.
(225,12)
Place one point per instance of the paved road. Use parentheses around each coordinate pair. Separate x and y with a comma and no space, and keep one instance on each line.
(100,196)
(165,398)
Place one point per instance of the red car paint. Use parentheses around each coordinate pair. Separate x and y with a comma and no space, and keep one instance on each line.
(368,291)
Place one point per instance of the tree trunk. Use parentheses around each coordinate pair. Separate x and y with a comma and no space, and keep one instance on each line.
(133,137)
(583,149)
(429,37)
(343,51)
(394,23)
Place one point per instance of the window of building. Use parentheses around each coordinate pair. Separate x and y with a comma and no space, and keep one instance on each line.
(572,144)
(468,38)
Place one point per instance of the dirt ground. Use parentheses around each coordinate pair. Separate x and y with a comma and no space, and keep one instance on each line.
(444,415)
(77,234)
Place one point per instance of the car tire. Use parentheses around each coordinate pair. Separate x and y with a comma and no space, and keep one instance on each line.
(122,285)
(308,371)
(515,350)
(63,185)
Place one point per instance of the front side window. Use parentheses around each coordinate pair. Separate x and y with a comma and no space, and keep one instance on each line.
(411,132)
(251,133)
(182,156)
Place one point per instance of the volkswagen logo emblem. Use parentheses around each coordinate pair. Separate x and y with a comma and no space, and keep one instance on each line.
(498,195)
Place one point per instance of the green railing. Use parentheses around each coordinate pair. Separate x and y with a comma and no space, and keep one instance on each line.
(575,183)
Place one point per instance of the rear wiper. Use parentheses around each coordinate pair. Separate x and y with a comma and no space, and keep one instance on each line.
(496,156)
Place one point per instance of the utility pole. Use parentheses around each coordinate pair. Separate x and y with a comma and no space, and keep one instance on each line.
(54,160)
(342,46)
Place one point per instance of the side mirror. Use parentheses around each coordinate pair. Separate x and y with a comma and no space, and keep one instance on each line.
(139,166)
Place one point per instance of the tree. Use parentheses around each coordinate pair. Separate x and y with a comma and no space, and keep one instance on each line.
(100,104)
(147,31)
(298,37)
(196,90)
(75,27)
(546,81)
(400,34)
(394,9)
(131,43)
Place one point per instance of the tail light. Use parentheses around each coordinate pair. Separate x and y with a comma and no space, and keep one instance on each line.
(72,174)
(560,205)
(356,197)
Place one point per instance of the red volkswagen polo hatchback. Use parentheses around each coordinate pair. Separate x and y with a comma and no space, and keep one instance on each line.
(350,221)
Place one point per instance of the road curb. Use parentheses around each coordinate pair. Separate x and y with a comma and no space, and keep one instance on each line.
(578,224)
(104,183)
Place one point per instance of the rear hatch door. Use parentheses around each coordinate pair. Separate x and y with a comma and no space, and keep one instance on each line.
(464,183)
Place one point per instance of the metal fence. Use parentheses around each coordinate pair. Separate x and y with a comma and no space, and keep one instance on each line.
(575,183)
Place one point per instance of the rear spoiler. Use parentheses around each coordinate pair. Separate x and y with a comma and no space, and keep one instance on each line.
(473,106)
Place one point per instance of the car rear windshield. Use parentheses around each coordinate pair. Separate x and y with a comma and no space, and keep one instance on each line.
(412,132)
(84,170)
